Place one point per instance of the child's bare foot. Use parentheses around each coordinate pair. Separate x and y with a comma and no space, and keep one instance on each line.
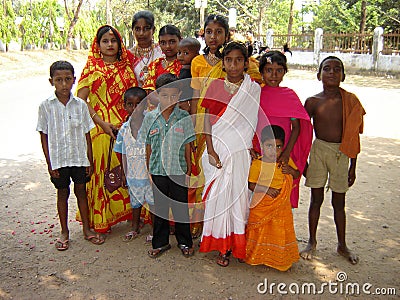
(308,252)
(347,253)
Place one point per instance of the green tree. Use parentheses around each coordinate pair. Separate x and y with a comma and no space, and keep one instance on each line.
(8,29)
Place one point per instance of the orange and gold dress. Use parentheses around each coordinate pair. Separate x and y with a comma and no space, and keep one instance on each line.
(270,235)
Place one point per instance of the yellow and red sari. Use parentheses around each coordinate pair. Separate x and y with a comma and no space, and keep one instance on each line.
(107,83)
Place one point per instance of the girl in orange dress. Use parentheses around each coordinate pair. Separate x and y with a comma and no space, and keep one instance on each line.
(270,235)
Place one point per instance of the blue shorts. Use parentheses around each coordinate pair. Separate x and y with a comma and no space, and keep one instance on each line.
(140,191)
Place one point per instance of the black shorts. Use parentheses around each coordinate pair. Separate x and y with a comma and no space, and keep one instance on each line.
(78,175)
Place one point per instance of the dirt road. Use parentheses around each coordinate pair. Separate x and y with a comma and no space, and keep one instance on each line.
(31,268)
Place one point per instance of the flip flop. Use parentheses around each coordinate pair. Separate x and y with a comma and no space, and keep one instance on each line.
(62,245)
(223,259)
(154,253)
(130,236)
(186,251)
(95,239)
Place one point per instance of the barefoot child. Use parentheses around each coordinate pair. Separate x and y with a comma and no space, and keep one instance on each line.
(338,120)
(168,131)
(134,158)
(270,236)
(64,123)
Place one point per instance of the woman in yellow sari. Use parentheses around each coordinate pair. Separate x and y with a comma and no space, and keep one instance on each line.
(270,235)
(108,73)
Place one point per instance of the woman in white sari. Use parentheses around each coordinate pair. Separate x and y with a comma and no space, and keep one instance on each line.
(231,107)
(145,50)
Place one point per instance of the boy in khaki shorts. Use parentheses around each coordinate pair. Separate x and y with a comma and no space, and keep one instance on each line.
(338,120)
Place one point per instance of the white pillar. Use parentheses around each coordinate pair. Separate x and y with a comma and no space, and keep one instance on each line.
(377,46)
(317,45)
(269,38)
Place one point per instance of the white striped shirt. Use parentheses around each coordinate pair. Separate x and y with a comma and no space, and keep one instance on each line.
(66,127)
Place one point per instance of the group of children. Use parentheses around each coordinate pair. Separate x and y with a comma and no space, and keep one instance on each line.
(248,212)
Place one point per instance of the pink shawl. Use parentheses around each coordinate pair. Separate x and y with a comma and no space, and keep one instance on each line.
(277,106)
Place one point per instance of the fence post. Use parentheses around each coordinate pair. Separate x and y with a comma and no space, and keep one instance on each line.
(270,39)
(317,44)
(377,46)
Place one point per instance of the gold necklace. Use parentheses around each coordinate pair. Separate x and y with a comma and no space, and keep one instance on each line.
(232,87)
(212,59)
(142,52)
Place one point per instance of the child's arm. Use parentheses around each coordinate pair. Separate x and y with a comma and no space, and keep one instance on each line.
(352,171)
(213,157)
(89,170)
(148,153)
(286,169)
(188,158)
(284,157)
(45,147)
(263,189)
(124,170)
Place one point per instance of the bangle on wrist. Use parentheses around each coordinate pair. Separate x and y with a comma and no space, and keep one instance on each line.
(93,115)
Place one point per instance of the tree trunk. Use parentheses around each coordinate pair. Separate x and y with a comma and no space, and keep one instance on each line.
(72,22)
(362,25)
(290,24)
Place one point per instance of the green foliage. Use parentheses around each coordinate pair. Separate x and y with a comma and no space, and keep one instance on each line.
(39,23)
(8,29)
(345,15)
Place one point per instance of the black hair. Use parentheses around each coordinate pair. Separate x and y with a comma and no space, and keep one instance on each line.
(273,57)
(273,132)
(103,30)
(169,29)
(331,57)
(167,79)
(146,15)
(221,20)
(191,43)
(61,65)
(135,92)
(235,46)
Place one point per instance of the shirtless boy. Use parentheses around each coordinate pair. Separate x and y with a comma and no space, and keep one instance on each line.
(337,117)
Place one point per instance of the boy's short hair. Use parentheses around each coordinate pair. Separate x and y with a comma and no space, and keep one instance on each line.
(331,57)
(273,132)
(167,79)
(61,65)
(191,43)
(135,92)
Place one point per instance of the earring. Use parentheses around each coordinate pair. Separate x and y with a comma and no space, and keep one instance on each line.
(223,69)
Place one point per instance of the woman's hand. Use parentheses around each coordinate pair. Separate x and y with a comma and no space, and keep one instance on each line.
(108,128)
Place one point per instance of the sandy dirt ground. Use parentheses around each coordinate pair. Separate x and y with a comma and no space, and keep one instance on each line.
(31,267)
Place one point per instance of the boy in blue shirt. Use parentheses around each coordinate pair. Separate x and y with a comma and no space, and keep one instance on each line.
(168,132)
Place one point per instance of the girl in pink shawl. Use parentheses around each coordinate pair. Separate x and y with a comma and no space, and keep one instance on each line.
(281,106)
